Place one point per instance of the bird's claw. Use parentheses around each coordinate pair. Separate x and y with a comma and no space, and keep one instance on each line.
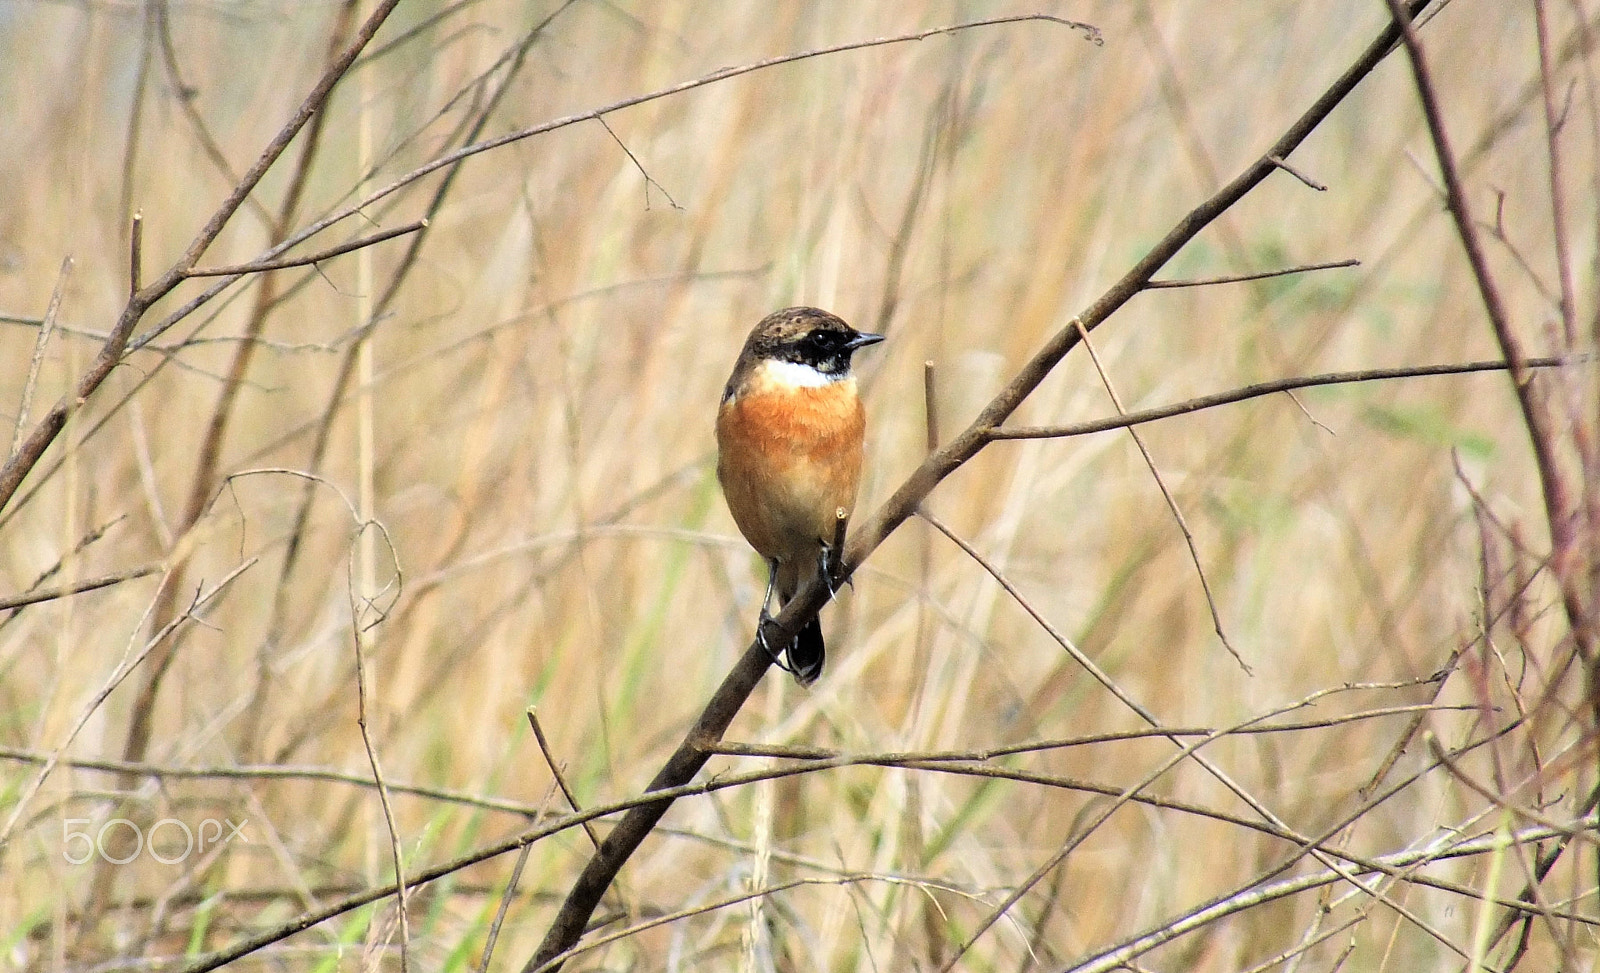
(831,567)
(761,636)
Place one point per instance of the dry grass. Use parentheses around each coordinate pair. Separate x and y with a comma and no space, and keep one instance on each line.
(542,399)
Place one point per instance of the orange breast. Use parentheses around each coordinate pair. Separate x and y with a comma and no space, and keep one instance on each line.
(788,458)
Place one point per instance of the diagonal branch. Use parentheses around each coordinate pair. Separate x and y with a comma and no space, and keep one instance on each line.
(1172,502)
(283,263)
(46,327)
(77,587)
(1557,499)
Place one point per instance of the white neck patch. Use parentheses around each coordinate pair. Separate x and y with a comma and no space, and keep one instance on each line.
(794,375)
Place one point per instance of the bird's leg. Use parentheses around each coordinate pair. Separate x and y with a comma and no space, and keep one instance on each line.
(772,582)
(830,565)
(826,566)
(766,617)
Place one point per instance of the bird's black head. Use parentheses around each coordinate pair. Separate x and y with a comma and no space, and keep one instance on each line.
(808,336)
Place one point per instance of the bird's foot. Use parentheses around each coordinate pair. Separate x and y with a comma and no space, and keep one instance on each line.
(776,655)
(831,566)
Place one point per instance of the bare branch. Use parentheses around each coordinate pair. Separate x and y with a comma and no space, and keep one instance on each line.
(649,180)
(730,900)
(665,796)
(1261,275)
(555,771)
(78,587)
(1256,391)
(239,270)
(1312,848)
(1255,895)
(1291,170)
(505,906)
(136,254)
(1560,211)
(1557,499)
(1172,502)
(360,635)
(46,327)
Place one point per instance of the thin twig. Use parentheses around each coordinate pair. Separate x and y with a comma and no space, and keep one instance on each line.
(1256,391)
(1080,834)
(505,906)
(209,455)
(755,894)
(1090,32)
(517,56)
(136,254)
(360,634)
(1259,275)
(555,771)
(1256,890)
(314,774)
(651,799)
(412,33)
(1256,895)
(78,587)
(46,327)
(649,180)
(262,266)
(1308,943)
(273,772)
(1560,211)
(1291,170)
(1541,869)
(82,545)
(1172,502)
(1312,848)
(184,94)
(1499,799)
(1254,726)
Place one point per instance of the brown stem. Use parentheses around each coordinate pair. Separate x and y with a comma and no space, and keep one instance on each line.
(1247,392)
(1557,495)
(309,259)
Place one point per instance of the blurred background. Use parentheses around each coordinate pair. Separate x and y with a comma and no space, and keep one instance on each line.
(521,398)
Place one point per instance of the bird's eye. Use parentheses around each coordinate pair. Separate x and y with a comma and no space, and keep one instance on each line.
(824,342)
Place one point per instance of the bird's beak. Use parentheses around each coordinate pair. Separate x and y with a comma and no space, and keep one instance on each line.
(862,339)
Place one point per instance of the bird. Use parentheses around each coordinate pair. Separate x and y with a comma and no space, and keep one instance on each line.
(790,430)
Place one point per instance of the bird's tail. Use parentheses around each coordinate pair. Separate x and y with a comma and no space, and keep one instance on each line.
(806,653)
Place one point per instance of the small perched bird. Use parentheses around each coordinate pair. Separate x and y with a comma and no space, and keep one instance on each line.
(789,434)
